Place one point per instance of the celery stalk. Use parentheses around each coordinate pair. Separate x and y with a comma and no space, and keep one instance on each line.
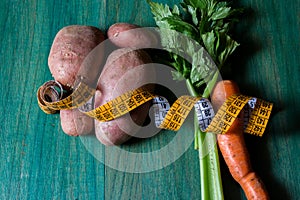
(211,182)
(208,23)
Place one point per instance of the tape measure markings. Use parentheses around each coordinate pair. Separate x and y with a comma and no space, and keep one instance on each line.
(178,112)
(259,118)
(160,107)
(81,94)
(166,116)
(205,113)
(121,105)
(227,114)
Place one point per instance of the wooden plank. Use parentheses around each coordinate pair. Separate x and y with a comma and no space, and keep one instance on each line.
(178,179)
(39,162)
(269,68)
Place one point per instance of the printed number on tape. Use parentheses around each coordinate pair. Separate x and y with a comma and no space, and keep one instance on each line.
(256,111)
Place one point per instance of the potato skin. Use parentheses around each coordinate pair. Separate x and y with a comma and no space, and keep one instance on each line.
(131,35)
(70,47)
(74,122)
(111,84)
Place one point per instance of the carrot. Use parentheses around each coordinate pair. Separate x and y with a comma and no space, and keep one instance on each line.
(233,148)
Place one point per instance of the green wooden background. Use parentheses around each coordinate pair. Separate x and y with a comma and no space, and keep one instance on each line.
(38,161)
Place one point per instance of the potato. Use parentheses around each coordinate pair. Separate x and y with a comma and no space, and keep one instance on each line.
(121,74)
(74,122)
(70,47)
(131,35)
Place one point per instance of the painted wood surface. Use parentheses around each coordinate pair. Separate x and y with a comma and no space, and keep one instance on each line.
(38,161)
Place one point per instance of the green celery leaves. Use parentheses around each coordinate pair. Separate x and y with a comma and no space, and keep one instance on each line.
(205,23)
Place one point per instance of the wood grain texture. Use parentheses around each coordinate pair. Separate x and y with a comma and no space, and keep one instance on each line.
(269,68)
(38,161)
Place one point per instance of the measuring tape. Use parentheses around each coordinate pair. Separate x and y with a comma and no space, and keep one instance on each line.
(51,98)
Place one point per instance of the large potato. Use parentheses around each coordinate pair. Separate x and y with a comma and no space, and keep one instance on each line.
(121,73)
(131,35)
(70,47)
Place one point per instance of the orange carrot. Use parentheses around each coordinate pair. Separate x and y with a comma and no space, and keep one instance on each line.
(233,149)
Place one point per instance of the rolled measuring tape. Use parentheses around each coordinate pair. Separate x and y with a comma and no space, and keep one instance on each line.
(257,112)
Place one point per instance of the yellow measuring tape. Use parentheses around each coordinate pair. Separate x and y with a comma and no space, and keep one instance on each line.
(50,99)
